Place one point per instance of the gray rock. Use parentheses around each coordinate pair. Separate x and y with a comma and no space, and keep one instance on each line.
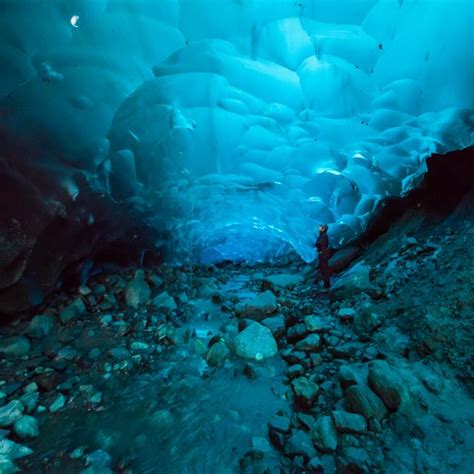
(353,460)
(30,401)
(386,382)
(349,422)
(164,302)
(15,346)
(259,307)
(217,354)
(366,322)
(300,444)
(311,343)
(352,282)
(346,314)
(324,434)
(284,281)
(318,324)
(361,400)
(137,291)
(58,403)
(10,413)
(282,424)
(13,450)
(255,342)
(41,326)
(26,427)
(276,324)
(120,353)
(72,311)
(306,392)
(347,377)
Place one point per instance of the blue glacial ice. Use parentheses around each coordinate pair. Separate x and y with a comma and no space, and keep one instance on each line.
(245,123)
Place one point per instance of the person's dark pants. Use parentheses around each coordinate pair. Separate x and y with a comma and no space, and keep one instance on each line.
(325,270)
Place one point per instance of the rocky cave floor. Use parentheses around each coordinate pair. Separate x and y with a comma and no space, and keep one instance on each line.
(176,370)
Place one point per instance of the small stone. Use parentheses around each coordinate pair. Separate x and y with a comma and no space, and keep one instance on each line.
(30,401)
(120,353)
(58,403)
(26,427)
(347,377)
(41,326)
(295,371)
(99,458)
(285,281)
(349,422)
(306,391)
(72,311)
(300,444)
(261,444)
(78,453)
(16,346)
(139,346)
(318,324)
(164,302)
(217,354)
(324,434)
(94,353)
(282,424)
(311,343)
(10,413)
(346,314)
(13,450)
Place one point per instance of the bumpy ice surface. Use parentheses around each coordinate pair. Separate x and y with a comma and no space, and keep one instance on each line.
(245,123)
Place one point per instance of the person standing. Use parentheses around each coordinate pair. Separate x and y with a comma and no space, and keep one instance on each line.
(324,252)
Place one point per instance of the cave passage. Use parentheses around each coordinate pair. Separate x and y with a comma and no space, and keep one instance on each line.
(164,168)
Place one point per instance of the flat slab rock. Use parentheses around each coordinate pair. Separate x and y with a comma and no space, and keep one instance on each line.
(282,281)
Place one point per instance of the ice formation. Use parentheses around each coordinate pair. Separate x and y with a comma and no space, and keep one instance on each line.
(244,123)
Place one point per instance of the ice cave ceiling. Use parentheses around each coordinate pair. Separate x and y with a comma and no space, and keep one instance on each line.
(240,124)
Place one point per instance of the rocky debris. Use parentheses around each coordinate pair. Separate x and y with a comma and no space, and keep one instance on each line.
(259,307)
(349,422)
(366,321)
(137,291)
(387,383)
(353,460)
(255,342)
(324,434)
(276,324)
(15,346)
(306,392)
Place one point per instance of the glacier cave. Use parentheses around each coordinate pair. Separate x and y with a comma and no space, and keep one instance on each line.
(167,170)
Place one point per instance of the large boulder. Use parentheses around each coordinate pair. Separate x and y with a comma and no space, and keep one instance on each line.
(137,291)
(360,399)
(352,282)
(386,382)
(259,307)
(255,342)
